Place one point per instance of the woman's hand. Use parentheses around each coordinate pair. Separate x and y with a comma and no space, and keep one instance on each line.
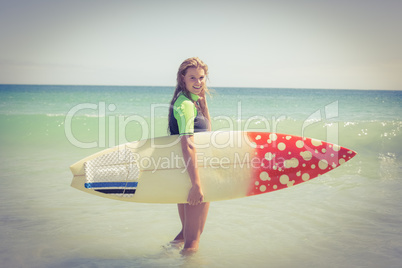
(195,195)
(202,100)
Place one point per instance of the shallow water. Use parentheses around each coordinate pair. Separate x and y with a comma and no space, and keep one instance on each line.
(350,217)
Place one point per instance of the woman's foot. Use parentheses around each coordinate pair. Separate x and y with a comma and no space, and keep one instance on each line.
(180,236)
(178,239)
(188,251)
(177,243)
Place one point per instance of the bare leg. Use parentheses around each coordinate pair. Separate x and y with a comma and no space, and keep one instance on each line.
(180,236)
(194,222)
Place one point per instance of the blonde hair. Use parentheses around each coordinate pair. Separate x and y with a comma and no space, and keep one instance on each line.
(194,62)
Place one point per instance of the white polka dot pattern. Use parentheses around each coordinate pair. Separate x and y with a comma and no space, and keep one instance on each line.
(288,160)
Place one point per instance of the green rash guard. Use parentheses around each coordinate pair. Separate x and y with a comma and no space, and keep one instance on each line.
(185,112)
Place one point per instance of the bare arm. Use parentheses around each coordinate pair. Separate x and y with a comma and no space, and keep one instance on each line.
(195,195)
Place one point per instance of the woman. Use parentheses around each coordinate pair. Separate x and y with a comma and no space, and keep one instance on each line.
(188,114)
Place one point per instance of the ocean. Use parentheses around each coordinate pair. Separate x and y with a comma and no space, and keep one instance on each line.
(349,217)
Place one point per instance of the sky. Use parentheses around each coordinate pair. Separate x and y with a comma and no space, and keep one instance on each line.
(344,44)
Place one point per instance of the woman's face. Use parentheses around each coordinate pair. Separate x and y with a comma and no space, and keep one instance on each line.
(195,80)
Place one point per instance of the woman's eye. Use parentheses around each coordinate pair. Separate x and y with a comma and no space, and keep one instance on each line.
(194,78)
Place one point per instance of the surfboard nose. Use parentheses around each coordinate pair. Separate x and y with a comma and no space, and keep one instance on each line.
(76,168)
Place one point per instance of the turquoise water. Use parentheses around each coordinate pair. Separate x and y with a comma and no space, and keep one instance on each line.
(350,217)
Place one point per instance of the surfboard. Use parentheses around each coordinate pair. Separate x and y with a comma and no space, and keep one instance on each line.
(231,164)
